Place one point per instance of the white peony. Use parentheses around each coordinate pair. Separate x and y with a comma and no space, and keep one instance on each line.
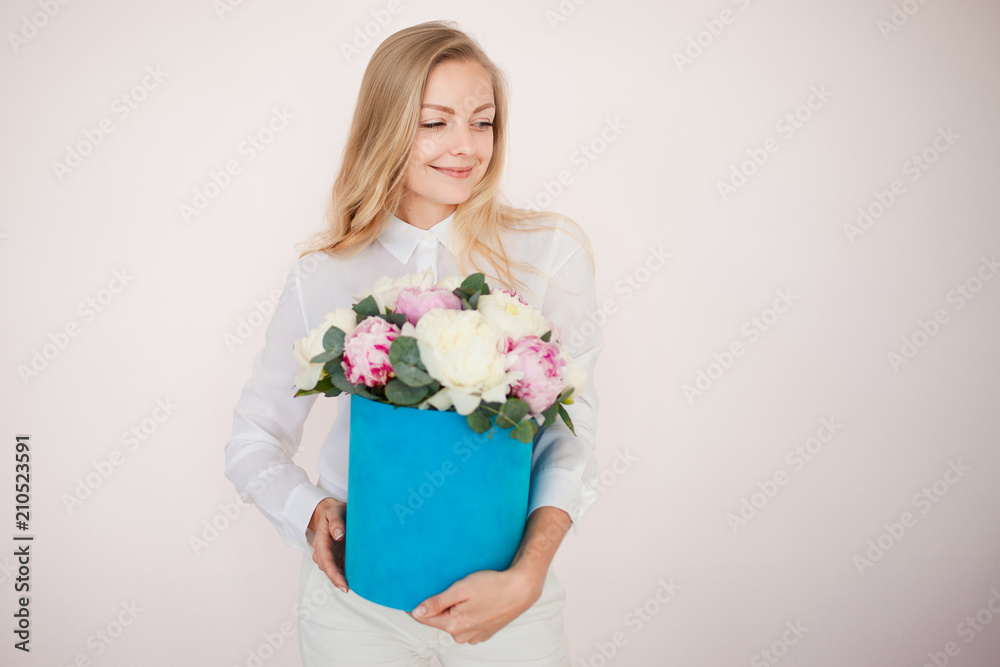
(306,348)
(450,283)
(385,290)
(344,319)
(511,317)
(466,355)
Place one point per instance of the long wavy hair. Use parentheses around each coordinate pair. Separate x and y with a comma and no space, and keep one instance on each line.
(370,183)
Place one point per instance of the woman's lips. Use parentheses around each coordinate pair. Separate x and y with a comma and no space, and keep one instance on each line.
(454,173)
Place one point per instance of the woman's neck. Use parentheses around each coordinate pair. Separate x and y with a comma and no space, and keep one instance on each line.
(427,215)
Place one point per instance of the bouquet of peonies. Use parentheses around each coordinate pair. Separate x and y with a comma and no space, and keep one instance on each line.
(451,345)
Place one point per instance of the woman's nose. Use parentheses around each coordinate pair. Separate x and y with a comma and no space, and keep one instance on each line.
(460,140)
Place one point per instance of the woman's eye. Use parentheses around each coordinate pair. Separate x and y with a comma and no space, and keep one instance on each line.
(482,125)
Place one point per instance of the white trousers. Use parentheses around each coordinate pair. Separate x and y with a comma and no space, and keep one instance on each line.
(338,629)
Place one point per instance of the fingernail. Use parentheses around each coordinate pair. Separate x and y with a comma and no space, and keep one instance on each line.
(420,611)
(338,533)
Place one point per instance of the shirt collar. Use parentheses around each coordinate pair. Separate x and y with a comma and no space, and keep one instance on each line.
(401,238)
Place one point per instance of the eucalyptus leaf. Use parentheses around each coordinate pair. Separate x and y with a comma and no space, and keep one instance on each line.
(399,319)
(525,430)
(512,412)
(411,375)
(339,380)
(550,413)
(474,282)
(401,393)
(324,357)
(404,349)
(565,417)
(464,297)
(366,308)
(364,392)
(333,340)
(479,421)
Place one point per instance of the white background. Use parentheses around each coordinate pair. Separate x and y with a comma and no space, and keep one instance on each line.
(682,128)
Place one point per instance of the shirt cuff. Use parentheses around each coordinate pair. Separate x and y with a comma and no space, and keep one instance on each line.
(298,512)
(556,487)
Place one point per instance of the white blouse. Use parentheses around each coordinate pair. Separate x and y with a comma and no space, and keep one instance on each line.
(268,418)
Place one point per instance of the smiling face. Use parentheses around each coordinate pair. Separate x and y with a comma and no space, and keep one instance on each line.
(454,142)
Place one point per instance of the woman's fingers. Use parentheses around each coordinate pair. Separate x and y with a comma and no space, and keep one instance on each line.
(337,531)
(328,546)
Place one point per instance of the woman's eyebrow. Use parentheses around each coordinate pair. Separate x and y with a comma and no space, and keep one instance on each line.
(452,111)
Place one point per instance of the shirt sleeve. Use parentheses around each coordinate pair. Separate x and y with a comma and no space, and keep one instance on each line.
(267,427)
(564,468)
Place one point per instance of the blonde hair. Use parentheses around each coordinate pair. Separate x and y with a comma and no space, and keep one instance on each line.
(370,184)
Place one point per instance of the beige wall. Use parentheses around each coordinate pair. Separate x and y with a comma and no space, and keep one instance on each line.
(804,419)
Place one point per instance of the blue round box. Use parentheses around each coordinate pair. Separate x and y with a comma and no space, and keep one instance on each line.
(429,501)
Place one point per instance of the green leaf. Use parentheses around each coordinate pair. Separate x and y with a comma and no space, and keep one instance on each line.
(565,417)
(512,412)
(550,413)
(525,430)
(333,391)
(333,339)
(324,357)
(464,297)
(547,336)
(401,393)
(474,283)
(399,319)
(411,375)
(364,392)
(479,421)
(474,300)
(404,350)
(366,308)
(339,379)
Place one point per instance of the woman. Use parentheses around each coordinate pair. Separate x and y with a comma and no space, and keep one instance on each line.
(419,188)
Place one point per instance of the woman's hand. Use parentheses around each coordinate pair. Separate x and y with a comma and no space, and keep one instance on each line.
(477,606)
(328,522)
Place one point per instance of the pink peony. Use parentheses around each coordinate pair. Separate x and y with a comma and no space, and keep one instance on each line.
(414,301)
(542,366)
(366,352)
